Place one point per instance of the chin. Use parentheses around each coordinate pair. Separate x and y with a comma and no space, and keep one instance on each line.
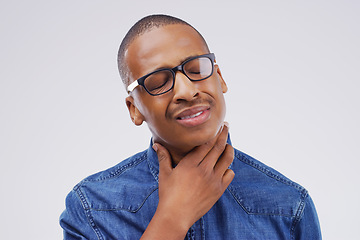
(203,137)
(187,140)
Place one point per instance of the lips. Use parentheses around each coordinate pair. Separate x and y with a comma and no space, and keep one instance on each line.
(193,116)
(191,112)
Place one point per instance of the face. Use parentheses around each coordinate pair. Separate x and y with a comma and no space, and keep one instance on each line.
(192,112)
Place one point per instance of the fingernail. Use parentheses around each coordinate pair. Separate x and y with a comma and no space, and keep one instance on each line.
(226,124)
(155,147)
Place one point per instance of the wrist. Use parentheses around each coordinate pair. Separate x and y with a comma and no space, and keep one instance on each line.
(174,220)
(166,225)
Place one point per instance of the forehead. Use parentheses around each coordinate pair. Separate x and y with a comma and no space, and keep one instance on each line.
(165,46)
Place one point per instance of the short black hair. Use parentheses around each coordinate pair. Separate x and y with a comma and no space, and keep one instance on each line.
(140,27)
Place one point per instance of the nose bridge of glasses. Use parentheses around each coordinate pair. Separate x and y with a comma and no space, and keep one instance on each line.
(180,68)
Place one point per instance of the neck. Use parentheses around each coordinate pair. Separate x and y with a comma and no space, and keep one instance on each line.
(176,154)
(176,157)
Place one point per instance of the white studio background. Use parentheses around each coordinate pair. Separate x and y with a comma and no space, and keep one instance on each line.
(292,68)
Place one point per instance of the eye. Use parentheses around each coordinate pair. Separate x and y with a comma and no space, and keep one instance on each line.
(158,82)
(198,68)
(193,71)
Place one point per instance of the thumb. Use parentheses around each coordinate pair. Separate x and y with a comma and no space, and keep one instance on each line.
(165,166)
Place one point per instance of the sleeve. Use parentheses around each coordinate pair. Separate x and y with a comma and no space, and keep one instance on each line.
(74,221)
(308,226)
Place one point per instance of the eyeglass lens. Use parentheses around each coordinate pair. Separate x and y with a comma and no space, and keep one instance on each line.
(162,81)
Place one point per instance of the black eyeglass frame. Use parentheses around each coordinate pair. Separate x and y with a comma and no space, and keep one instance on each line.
(141,80)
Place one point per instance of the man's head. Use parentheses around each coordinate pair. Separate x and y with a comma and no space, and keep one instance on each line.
(142,26)
(192,112)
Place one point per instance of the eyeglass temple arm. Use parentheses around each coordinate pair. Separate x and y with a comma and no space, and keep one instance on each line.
(131,86)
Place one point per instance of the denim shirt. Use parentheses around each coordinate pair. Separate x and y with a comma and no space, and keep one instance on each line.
(260,203)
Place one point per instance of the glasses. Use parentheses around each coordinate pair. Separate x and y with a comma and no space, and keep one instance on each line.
(162,80)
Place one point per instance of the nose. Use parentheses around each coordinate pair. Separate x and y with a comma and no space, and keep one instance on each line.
(184,89)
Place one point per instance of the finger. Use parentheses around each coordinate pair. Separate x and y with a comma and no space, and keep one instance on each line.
(165,166)
(228,177)
(224,161)
(218,149)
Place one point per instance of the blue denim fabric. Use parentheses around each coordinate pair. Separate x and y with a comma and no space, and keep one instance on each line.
(260,203)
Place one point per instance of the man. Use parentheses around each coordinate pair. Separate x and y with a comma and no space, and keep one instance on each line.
(191,183)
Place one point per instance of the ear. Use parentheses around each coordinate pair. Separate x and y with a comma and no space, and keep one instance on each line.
(222,81)
(136,117)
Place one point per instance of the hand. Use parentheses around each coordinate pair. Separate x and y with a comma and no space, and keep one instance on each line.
(189,190)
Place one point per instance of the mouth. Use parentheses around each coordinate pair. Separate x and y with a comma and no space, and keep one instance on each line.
(194,116)
(191,116)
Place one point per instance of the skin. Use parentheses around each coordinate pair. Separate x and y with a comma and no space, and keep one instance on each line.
(189,190)
(169,47)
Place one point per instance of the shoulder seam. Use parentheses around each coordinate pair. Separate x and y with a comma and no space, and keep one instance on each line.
(87,211)
(298,214)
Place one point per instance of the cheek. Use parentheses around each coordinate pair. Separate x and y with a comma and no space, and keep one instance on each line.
(214,89)
(153,109)
(217,93)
